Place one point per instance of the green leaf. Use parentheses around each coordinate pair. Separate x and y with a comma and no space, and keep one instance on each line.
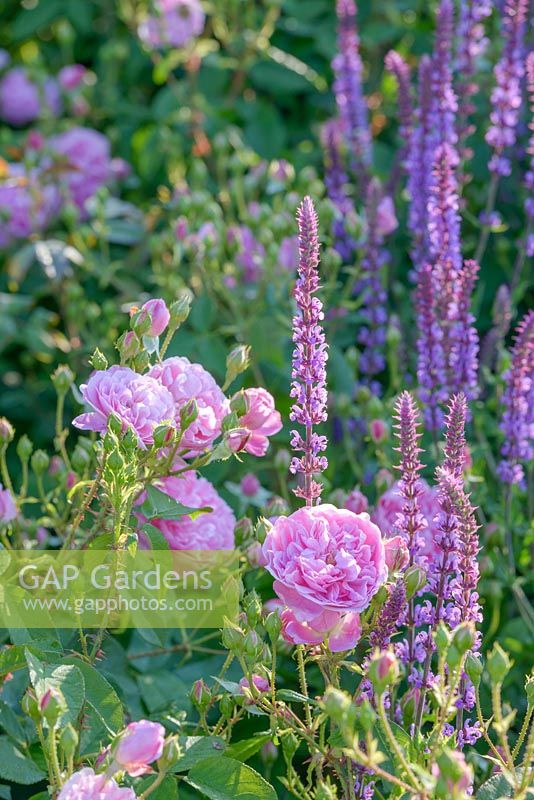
(11,723)
(247,748)
(296,697)
(104,715)
(65,678)
(167,790)
(29,21)
(159,505)
(14,766)
(196,749)
(494,788)
(157,539)
(228,779)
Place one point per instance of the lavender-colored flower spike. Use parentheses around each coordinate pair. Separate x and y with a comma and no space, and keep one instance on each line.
(529,176)
(445,104)
(308,388)
(516,418)
(506,95)
(443,209)
(400,69)
(336,181)
(419,165)
(464,336)
(472,42)
(407,424)
(371,289)
(455,444)
(348,90)
(431,373)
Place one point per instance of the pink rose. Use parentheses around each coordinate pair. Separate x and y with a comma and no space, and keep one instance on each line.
(141,743)
(71,76)
(339,631)
(213,530)
(138,400)
(159,315)
(325,559)
(186,381)
(8,509)
(356,502)
(390,505)
(85,785)
(261,419)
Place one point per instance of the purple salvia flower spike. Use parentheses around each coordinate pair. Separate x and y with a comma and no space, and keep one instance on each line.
(516,418)
(431,373)
(407,424)
(398,67)
(445,104)
(455,444)
(506,95)
(419,165)
(529,175)
(336,182)
(464,335)
(308,388)
(352,108)
(472,43)
(371,288)
(443,210)
(390,614)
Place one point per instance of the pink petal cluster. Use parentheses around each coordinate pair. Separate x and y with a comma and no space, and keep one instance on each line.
(84,156)
(327,563)
(8,509)
(261,420)
(23,101)
(213,530)
(261,684)
(186,381)
(86,785)
(139,746)
(175,24)
(71,76)
(339,631)
(138,400)
(390,505)
(356,502)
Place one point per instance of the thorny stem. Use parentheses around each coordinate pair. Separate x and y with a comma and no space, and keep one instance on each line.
(393,741)
(303,684)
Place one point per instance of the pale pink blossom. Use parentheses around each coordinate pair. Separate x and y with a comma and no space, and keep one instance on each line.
(250,485)
(339,631)
(188,381)
(8,509)
(261,420)
(356,502)
(159,315)
(139,401)
(86,785)
(139,746)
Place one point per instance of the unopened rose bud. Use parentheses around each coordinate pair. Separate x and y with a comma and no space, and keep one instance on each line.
(529,690)
(250,485)
(237,362)
(188,415)
(383,670)
(40,461)
(141,361)
(237,439)
(63,378)
(226,706)
(415,579)
(243,530)
(171,753)
(98,360)
(128,345)
(269,753)
(68,741)
(30,707)
(163,435)
(24,448)
(252,645)
(397,555)
(273,626)
(276,507)
(378,430)
(238,404)
(51,706)
(252,608)
(336,703)
(200,695)
(159,316)
(140,322)
(474,668)
(7,432)
(442,638)
(499,664)
(179,311)
(232,637)
(463,637)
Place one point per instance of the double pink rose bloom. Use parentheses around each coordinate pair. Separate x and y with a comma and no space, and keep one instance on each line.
(327,564)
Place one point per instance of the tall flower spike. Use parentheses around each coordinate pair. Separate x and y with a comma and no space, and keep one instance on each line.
(506,95)
(529,176)
(419,166)
(455,445)
(371,288)
(464,335)
(472,43)
(400,69)
(445,104)
(443,209)
(431,373)
(336,181)
(352,108)
(516,417)
(411,522)
(308,388)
